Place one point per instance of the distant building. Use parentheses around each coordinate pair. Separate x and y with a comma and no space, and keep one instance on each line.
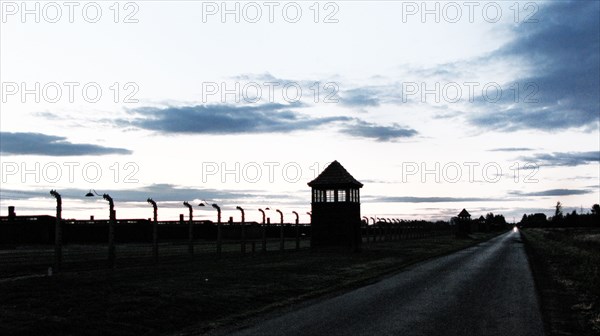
(465,225)
(335,208)
(464,215)
(482,225)
(15,229)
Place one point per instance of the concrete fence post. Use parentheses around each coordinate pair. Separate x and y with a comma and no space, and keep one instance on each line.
(297,235)
(111,238)
(57,231)
(264,235)
(281,237)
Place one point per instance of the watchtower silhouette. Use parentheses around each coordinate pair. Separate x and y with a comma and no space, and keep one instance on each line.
(335,208)
(464,223)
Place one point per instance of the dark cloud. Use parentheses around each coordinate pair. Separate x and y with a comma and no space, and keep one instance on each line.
(360,97)
(569,159)
(332,91)
(172,193)
(380,133)
(159,192)
(51,145)
(411,199)
(552,192)
(564,47)
(13,194)
(226,119)
(266,118)
(511,149)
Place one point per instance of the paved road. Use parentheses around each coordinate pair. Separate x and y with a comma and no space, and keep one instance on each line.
(484,290)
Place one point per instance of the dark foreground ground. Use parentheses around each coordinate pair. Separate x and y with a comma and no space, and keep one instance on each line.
(566,265)
(197,297)
(485,290)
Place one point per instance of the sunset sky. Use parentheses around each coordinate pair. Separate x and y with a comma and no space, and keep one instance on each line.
(434,107)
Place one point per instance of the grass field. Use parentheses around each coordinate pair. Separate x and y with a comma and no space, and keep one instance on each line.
(27,260)
(566,264)
(195,297)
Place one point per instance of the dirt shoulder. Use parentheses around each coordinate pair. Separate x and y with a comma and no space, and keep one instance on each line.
(565,263)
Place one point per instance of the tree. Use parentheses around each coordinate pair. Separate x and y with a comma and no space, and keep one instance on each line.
(596,209)
(557,212)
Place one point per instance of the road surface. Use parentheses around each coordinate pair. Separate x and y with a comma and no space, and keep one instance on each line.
(483,290)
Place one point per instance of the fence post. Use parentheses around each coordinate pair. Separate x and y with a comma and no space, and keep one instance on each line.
(252,239)
(154,230)
(191,238)
(111,238)
(231,225)
(243,233)
(58,242)
(190,229)
(386,235)
(57,231)
(264,234)
(281,237)
(297,235)
(375,232)
(219,239)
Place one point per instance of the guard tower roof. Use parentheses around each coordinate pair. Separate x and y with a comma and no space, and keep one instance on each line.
(334,176)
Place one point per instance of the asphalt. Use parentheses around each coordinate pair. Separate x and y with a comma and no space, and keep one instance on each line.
(486,290)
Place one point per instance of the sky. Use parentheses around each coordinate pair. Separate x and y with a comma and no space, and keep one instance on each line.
(433,106)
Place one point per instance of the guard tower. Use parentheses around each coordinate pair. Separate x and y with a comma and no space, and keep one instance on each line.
(464,215)
(335,208)
(464,223)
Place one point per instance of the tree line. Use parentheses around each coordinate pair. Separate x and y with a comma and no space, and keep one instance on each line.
(560,219)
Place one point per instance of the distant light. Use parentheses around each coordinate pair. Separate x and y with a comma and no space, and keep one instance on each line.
(515,229)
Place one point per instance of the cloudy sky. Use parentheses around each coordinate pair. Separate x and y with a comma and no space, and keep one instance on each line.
(434,106)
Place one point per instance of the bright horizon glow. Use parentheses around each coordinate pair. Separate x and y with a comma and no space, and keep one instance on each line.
(161,145)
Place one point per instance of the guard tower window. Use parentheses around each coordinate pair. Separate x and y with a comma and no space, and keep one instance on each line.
(341,195)
(318,196)
(330,196)
(354,195)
